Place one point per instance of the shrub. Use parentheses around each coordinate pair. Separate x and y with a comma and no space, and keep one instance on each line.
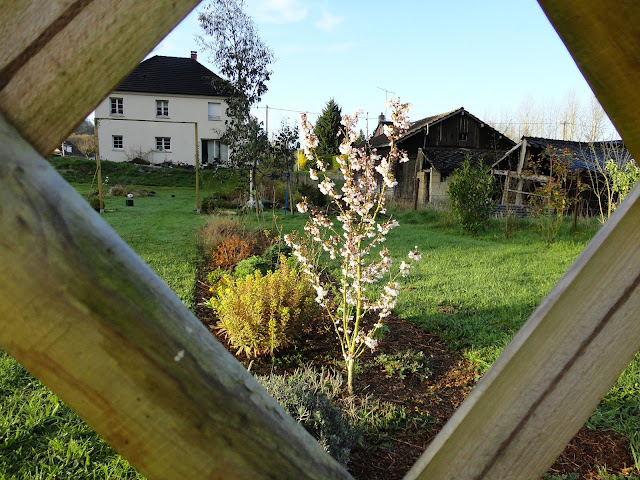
(268,261)
(215,276)
(405,362)
(232,250)
(208,204)
(217,229)
(308,395)
(314,196)
(250,265)
(94,201)
(551,201)
(262,314)
(117,191)
(122,191)
(471,192)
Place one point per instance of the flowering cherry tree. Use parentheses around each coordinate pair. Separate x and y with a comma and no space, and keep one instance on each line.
(356,234)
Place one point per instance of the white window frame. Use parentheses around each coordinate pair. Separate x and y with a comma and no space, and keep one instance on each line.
(213,116)
(163,144)
(115,139)
(116,106)
(162,108)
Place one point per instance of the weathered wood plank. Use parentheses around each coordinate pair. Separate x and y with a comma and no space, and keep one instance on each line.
(604,40)
(85,315)
(66,56)
(572,349)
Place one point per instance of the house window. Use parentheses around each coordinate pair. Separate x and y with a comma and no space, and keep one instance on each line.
(117,142)
(163,143)
(162,108)
(464,136)
(117,106)
(443,177)
(214,111)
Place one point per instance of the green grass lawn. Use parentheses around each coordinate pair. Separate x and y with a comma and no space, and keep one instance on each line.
(475,292)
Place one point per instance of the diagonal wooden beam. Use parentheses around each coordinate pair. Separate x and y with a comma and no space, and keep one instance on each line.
(575,345)
(604,40)
(60,59)
(91,320)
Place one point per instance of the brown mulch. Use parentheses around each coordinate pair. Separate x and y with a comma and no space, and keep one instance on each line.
(435,398)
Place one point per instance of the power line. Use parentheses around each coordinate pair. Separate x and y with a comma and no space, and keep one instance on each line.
(304,111)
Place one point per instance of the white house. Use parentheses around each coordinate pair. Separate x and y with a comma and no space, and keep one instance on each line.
(167,109)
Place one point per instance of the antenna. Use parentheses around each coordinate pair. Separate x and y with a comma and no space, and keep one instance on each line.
(386,97)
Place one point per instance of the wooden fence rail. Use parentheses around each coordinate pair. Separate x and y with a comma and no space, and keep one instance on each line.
(84,314)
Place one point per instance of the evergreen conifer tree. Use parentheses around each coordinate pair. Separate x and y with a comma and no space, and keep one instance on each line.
(328,129)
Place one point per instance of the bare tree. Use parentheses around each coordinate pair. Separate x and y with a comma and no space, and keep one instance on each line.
(570,119)
(594,118)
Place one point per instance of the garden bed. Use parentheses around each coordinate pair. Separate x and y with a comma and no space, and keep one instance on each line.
(425,405)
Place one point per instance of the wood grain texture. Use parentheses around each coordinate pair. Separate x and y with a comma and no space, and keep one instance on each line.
(85,315)
(66,56)
(604,40)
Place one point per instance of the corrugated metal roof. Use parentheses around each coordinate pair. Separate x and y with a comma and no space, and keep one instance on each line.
(586,156)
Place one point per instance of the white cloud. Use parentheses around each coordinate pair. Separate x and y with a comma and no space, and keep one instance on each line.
(329,21)
(277,11)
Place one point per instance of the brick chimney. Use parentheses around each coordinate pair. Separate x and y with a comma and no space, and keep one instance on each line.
(194,54)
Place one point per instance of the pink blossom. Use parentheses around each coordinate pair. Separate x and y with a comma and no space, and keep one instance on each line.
(415,255)
(303,206)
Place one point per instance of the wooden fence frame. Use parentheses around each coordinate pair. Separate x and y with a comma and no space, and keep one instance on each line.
(85,315)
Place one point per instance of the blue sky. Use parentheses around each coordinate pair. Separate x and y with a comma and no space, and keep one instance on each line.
(488,56)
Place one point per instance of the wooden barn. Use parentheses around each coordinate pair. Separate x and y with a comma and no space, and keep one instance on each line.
(589,158)
(436,146)
(81,311)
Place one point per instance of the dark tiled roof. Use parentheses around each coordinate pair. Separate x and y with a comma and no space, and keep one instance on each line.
(585,154)
(450,158)
(379,141)
(173,75)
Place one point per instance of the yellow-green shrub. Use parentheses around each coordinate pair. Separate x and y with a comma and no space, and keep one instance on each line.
(262,314)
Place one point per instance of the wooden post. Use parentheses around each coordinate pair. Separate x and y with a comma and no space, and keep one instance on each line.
(118,346)
(98,166)
(197,171)
(523,154)
(99,175)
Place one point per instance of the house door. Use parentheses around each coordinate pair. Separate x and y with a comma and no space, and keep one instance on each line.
(210,151)
(213,152)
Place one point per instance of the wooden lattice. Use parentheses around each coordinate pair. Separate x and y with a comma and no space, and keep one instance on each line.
(84,314)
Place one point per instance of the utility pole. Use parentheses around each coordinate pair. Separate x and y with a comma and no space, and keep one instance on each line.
(564,128)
